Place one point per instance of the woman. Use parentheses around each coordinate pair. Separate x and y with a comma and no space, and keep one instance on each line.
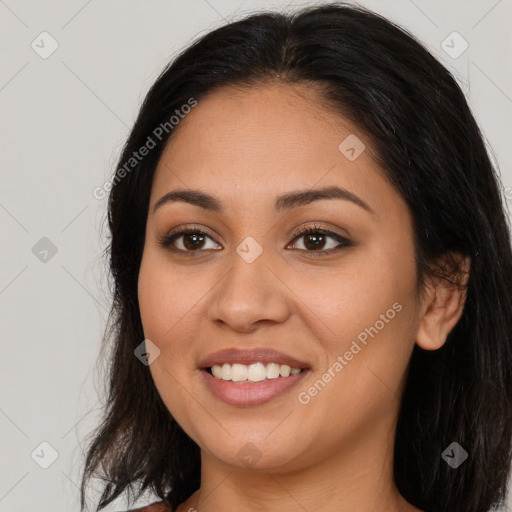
(311,264)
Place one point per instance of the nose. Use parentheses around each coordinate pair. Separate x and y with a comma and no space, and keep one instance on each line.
(250,294)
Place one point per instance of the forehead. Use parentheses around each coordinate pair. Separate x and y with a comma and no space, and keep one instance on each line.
(256,141)
(266,123)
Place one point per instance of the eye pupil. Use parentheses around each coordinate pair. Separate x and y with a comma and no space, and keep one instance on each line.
(318,240)
(198,240)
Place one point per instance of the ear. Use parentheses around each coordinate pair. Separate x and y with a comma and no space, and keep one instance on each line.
(442,302)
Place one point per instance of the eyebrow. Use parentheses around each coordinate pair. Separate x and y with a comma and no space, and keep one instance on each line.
(284,202)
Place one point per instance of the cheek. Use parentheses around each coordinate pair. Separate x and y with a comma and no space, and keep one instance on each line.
(366,315)
(167,305)
(155,300)
(172,308)
(165,297)
(345,303)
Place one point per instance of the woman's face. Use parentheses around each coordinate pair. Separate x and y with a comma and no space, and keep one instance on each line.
(347,316)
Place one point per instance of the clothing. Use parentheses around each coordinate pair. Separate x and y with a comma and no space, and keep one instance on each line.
(157,506)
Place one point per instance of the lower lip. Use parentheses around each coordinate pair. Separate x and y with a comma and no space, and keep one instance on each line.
(250,393)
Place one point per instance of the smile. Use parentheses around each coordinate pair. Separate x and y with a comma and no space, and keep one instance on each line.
(244,393)
(255,372)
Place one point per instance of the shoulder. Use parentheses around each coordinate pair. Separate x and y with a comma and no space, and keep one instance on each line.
(158,506)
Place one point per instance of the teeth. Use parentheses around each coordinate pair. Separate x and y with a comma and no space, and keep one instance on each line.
(238,372)
(285,370)
(217,371)
(273,370)
(255,372)
(226,371)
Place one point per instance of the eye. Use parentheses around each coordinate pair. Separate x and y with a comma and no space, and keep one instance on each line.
(315,239)
(193,239)
(187,239)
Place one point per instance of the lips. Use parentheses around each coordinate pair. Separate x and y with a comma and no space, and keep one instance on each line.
(247,357)
(246,394)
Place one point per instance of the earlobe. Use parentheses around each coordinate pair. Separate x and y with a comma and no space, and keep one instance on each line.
(442,306)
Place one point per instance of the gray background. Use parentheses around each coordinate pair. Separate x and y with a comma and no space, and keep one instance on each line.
(63,121)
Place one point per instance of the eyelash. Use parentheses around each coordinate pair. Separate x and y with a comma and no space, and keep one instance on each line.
(167,240)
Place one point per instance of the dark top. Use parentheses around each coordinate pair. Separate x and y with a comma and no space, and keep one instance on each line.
(158,506)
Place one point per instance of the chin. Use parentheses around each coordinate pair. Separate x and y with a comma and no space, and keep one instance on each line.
(257,452)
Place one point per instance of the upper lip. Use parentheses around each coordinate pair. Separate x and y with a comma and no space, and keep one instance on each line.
(263,355)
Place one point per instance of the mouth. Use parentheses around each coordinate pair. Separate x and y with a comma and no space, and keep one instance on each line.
(246,378)
(245,393)
(255,372)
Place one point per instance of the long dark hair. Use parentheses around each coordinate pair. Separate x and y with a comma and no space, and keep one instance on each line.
(432,151)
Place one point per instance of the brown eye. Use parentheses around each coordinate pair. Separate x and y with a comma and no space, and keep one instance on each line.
(314,241)
(188,240)
(193,241)
(320,240)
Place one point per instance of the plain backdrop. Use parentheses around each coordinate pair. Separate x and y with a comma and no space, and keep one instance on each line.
(64,116)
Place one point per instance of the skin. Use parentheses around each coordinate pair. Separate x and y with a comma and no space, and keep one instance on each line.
(334,453)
